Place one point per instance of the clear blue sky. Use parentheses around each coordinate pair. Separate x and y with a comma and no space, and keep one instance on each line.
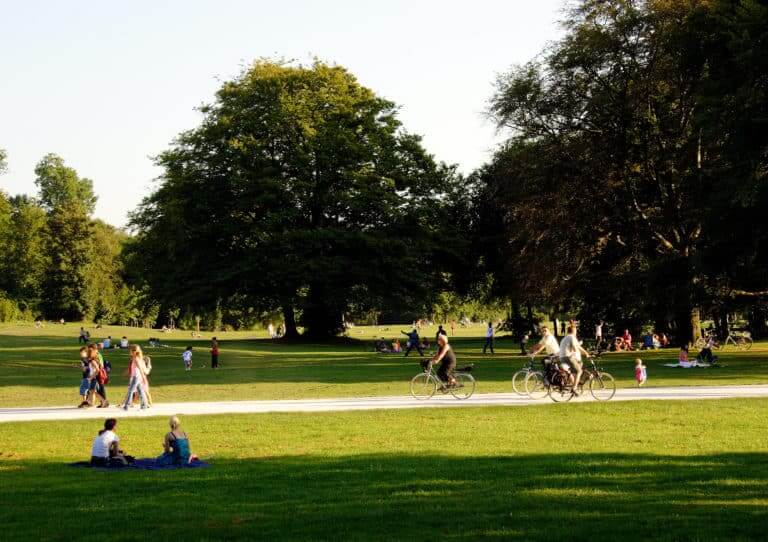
(106,85)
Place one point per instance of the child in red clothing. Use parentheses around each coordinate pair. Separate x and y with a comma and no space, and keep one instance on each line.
(214,353)
(640,372)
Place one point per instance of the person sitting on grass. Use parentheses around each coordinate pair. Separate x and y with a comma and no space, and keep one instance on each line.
(105,451)
(396,347)
(682,357)
(626,341)
(447,359)
(706,356)
(124,342)
(176,449)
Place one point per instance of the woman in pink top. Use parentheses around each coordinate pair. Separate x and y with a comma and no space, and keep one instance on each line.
(136,378)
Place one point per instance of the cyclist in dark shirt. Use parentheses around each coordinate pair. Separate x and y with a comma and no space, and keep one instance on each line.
(447,357)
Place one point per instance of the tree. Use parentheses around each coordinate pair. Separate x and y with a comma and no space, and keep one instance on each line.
(23,260)
(68,200)
(300,190)
(612,171)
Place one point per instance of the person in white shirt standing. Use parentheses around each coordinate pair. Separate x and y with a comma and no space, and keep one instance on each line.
(548,343)
(489,338)
(187,357)
(599,335)
(571,352)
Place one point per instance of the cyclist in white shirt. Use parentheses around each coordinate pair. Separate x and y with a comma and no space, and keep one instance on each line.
(548,343)
(570,352)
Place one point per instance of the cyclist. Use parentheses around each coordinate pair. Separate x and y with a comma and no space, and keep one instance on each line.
(447,359)
(548,343)
(570,353)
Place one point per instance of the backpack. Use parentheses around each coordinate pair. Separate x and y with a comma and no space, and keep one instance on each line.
(102,377)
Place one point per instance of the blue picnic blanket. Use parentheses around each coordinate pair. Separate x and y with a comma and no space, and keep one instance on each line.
(144,464)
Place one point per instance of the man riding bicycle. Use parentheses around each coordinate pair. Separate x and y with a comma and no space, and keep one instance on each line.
(447,359)
(548,343)
(570,353)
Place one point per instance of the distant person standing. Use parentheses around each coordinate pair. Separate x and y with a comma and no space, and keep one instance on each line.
(453,328)
(214,353)
(489,338)
(413,342)
(271,330)
(599,335)
(186,356)
(83,337)
(440,331)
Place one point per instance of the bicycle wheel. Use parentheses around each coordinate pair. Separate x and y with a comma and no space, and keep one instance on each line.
(699,344)
(747,343)
(518,381)
(602,387)
(535,386)
(423,386)
(465,386)
(560,395)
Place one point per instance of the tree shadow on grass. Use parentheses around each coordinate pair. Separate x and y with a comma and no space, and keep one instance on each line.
(398,497)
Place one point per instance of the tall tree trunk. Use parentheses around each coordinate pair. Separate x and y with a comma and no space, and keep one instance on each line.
(291,331)
(695,323)
(529,316)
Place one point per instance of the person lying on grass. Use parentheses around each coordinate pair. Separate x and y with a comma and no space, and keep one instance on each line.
(175,446)
(105,451)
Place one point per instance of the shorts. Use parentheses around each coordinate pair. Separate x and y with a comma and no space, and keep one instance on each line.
(85,385)
(574,363)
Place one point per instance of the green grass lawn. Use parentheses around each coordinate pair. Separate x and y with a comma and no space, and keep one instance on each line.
(36,366)
(619,471)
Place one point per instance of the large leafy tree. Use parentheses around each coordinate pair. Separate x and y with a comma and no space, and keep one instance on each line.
(300,190)
(68,201)
(614,173)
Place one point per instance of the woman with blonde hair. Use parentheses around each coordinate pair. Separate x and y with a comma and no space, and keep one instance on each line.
(136,377)
(175,445)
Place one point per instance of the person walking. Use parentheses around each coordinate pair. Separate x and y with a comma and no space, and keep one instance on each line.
(413,342)
(489,338)
(214,353)
(136,370)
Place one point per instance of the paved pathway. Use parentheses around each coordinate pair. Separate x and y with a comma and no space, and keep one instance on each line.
(368,403)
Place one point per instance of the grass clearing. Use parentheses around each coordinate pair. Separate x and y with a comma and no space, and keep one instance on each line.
(37,366)
(693,470)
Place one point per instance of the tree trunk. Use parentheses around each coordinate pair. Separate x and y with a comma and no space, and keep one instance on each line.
(529,316)
(695,323)
(757,326)
(322,318)
(291,332)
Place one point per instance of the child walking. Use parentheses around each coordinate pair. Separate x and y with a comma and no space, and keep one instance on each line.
(641,375)
(186,356)
(214,353)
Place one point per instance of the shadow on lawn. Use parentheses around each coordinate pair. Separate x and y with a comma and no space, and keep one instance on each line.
(405,497)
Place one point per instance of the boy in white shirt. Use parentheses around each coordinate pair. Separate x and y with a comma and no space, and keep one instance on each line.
(187,357)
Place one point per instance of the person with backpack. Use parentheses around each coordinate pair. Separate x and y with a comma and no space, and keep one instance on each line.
(98,378)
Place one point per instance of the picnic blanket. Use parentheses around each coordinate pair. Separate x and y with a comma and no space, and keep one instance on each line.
(691,365)
(147,463)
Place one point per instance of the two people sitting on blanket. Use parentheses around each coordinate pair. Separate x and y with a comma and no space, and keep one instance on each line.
(106,452)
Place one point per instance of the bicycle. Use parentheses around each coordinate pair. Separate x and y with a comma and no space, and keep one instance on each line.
(740,341)
(518,379)
(426,383)
(555,380)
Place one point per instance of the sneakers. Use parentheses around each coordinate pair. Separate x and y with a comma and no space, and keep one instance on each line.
(84,404)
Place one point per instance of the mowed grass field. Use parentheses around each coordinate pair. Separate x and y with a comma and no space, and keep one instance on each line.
(693,470)
(38,367)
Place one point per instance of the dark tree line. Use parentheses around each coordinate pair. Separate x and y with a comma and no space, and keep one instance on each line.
(631,187)
(633,183)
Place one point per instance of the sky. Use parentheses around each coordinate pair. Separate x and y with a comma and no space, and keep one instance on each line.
(108,85)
